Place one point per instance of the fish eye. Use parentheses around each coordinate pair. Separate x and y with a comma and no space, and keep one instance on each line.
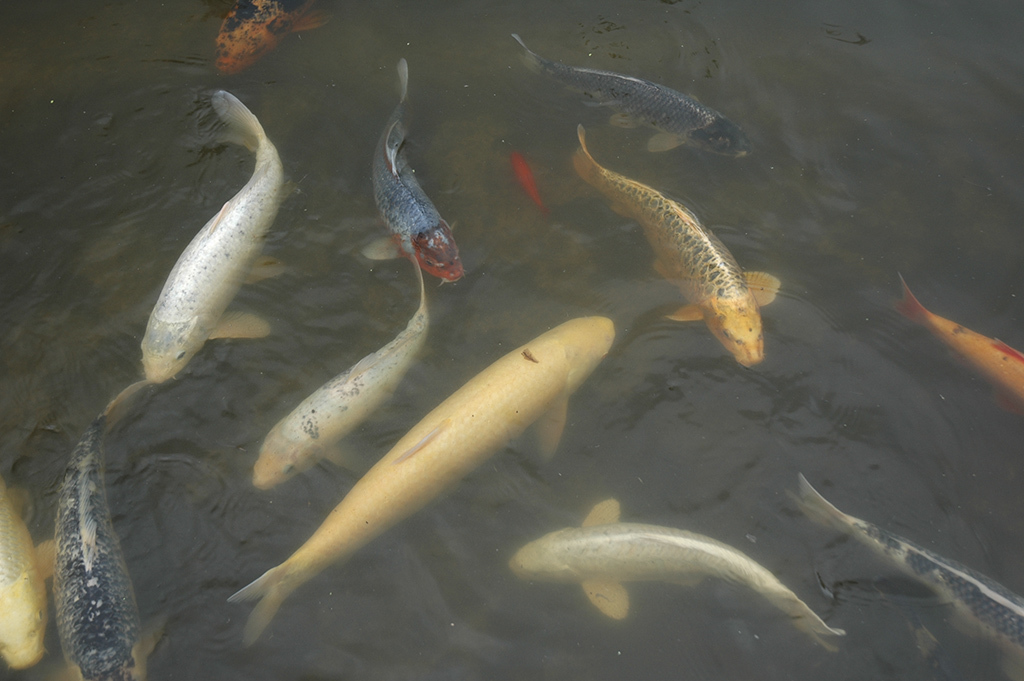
(181,355)
(288,469)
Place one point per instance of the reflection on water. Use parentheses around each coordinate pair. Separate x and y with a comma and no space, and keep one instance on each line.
(885,138)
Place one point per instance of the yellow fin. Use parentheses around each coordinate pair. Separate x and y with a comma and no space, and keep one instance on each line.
(687,313)
(383,248)
(604,513)
(622,120)
(21,501)
(150,636)
(663,141)
(116,407)
(661,269)
(265,267)
(46,554)
(610,597)
(764,286)
(551,424)
(241,325)
(423,443)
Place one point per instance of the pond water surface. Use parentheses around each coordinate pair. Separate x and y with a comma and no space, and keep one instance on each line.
(887,138)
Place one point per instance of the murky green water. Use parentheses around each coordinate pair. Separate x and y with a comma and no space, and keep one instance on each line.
(887,138)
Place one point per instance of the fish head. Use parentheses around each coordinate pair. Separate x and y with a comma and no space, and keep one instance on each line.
(437,253)
(736,323)
(23,624)
(248,32)
(586,341)
(721,136)
(167,348)
(541,559)
(281,457)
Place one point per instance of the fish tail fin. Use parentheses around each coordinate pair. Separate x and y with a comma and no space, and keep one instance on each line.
(403,79)
(531,59)
(815,627)
(244,127)
(585,165)
(116,408)
(909,306)
(818,509)
(271,590)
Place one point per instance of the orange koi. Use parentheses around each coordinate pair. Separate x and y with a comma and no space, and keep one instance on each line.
(254,27)
(525,177)
(1000,364)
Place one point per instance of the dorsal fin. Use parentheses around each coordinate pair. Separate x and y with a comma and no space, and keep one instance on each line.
(605,513)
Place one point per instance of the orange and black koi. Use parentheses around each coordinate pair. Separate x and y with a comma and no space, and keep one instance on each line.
(254,27)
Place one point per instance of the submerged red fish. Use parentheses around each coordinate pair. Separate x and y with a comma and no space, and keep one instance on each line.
(998,362)
(254,27)
(525,177)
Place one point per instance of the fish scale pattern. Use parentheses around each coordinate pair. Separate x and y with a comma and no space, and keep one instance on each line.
(97,618)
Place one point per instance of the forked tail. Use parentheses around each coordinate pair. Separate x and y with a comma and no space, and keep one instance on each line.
(908,305)
(818,509)
(271,590)
(243,126)
(532,61)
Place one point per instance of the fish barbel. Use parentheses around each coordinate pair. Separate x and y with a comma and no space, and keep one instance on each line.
(530,384)
(417,228)
(22,591)
(679,118)
(210,271)
(97,618)
(603,553)
(306,435)
(997,610)
(1000,364)
(690,256)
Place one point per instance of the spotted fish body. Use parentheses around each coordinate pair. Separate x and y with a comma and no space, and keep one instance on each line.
(303,437)
(211,269)
(97,618)
(22,591)
(679,117)
(688,255)
(999,611)
(417,228)
(601,555)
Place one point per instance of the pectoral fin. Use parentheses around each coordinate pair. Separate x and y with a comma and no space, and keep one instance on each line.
(764,286)
(610,597)
(151,635)
(311,20)
(687,313)
(241,325)
(1013,664)
(604,513)
(342,457)
(663,141)
(550,426)
(1008,402)
(265,267)
(383,248)
(46,554)
(622,120)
